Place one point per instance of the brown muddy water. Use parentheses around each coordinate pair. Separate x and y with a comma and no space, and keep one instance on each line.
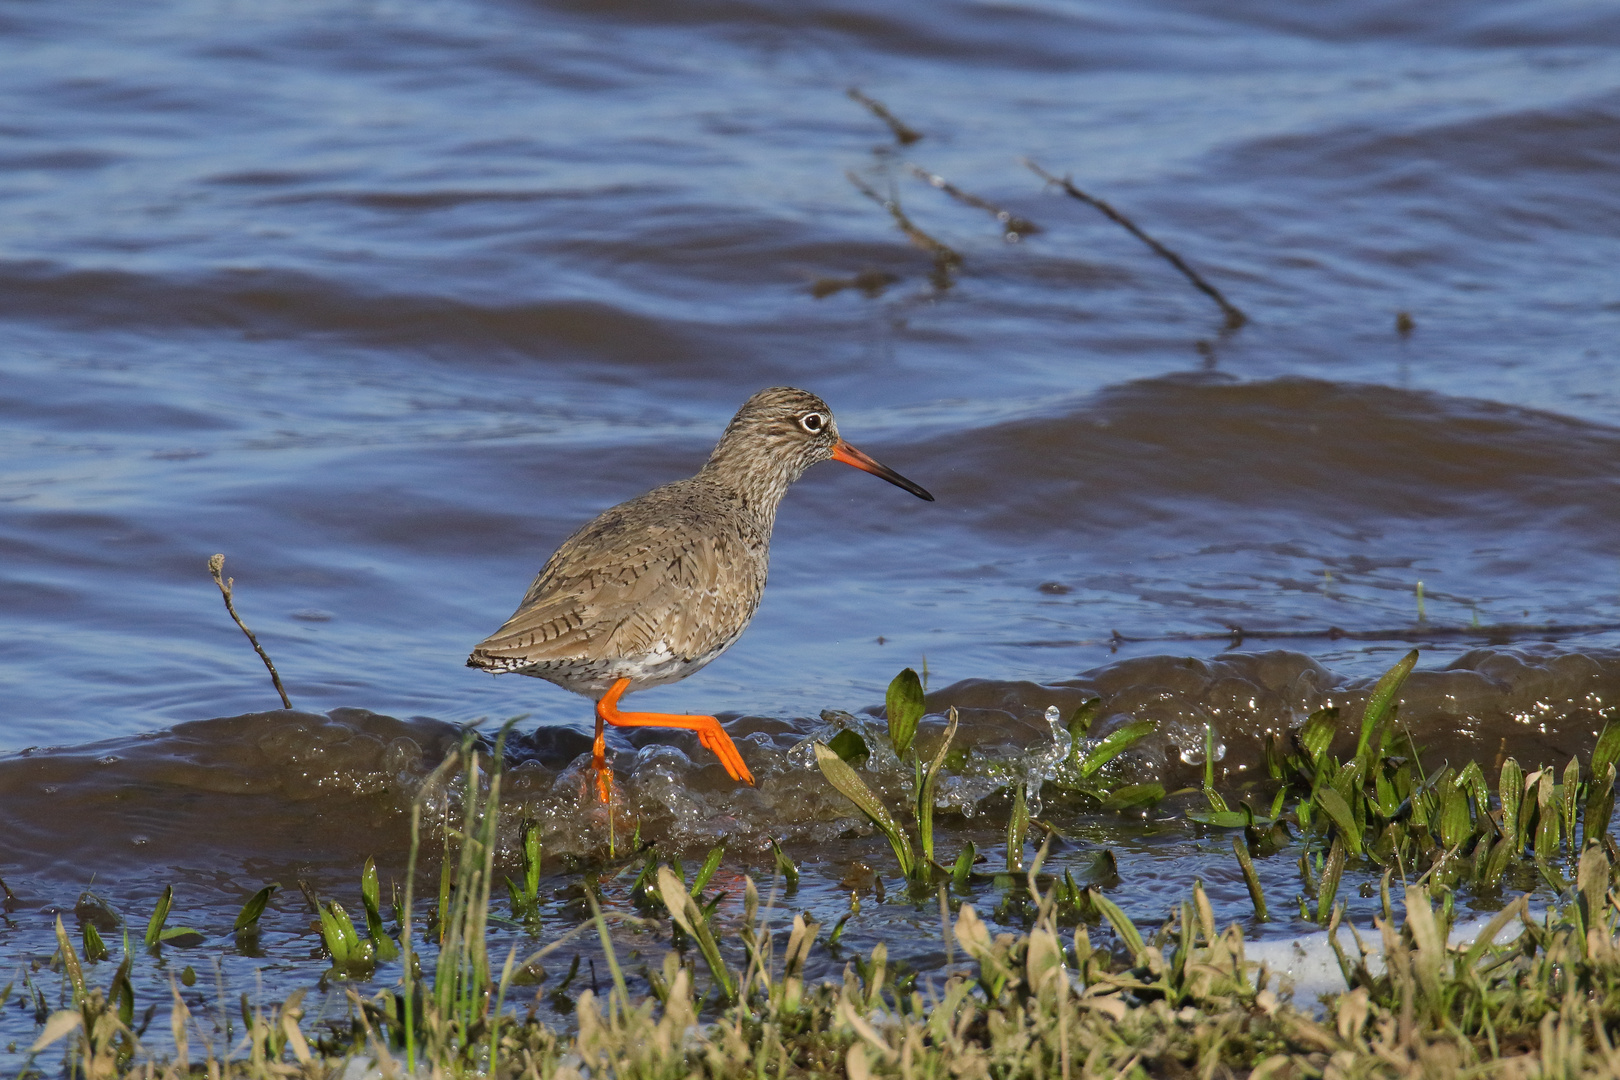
(382,300)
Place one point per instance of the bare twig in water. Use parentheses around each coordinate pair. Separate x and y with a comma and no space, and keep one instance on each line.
(946,258)
(1234,317)
(903,135)
(216,567)
(871,282)
(1013,228)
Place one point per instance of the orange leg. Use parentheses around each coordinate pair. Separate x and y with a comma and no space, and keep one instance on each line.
(708,729)
(599,765)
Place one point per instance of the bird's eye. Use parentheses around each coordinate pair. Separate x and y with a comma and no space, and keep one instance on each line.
(813,422)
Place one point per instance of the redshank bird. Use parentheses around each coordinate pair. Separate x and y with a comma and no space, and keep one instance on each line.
(655,588)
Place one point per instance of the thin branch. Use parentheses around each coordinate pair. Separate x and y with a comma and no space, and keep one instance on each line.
(1234,317)
(1013,228)
(946,258)
(903,135)
(216,567)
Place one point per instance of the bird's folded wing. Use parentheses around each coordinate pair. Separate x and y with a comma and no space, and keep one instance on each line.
(609,592)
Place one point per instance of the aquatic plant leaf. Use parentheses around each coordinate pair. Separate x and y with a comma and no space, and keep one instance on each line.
(1510,787)
(785,866)
(531,860)
(853,788)
(1080,721)
(1547,817)
(1129,935)
(1132,796)
(1472,780)
(1570,794)
(904,706)
(160,915)
(925,794)
(706,871)
(1334,805)
(848,745)
(248,917)
(1117,742)
(1599,805)
(95,949)
(1454,821)
(1250,878)
(370,888)
(962,870)
(1017,829)
(1607,750)
(1223,819)
(184,936)
(1316,734)
(1382,697)
(1327,888)
(70,962)
(684,910)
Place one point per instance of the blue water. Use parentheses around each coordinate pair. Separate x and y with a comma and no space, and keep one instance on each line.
(382,300)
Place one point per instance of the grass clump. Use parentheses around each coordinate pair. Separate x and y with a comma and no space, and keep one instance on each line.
(1082,991)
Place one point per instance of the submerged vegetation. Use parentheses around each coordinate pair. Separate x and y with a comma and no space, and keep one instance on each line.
(1082,991)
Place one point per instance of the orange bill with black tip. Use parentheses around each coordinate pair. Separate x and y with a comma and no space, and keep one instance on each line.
(851,456)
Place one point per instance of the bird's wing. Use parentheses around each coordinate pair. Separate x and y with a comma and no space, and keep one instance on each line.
(653,574)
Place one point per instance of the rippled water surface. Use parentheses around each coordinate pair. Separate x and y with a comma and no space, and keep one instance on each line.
(382,300)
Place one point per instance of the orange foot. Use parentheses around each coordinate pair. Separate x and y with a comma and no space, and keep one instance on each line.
(709,731)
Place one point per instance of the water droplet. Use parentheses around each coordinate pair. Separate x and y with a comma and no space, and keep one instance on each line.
(1052,714)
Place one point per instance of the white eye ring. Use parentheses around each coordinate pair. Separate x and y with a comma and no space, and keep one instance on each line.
(814,422)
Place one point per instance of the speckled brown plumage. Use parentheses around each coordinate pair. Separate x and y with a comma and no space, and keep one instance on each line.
(657,587)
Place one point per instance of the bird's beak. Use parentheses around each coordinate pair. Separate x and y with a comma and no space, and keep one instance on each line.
(851,456)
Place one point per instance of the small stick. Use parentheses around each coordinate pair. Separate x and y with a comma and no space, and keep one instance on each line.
(1013,228)
(1234,317)
(216,567)
(903,135)
(945,257)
